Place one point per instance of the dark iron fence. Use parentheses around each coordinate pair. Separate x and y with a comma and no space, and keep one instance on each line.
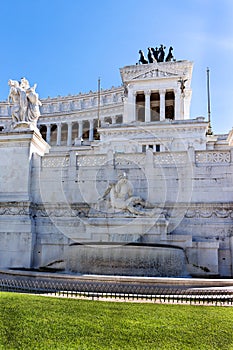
(118,291)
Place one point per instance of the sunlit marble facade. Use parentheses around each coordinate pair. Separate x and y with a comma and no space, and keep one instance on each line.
(141,129)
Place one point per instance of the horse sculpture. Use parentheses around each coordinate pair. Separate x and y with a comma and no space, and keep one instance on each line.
(150,56)
(161,53)
(155,53)
(142,59)
(169,55)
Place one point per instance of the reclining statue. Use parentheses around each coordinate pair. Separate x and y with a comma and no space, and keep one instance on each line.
(121,198)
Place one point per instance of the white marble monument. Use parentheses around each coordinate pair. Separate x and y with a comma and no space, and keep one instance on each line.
(110,179)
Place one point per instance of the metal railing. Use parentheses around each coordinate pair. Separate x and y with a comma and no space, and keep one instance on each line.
(118,291)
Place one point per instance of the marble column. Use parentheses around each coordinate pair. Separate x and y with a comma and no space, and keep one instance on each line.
(186,103)
(91,130)
(59,134)
(48,133)
(162,104)
(131,104)
(147,106)
(114,120)
(178,105)
(80,129)
(69,135)
(134,107)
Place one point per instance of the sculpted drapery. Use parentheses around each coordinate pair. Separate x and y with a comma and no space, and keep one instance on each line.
(24,102)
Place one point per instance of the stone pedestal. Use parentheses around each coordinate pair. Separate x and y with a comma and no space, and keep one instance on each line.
(16,225)
(124,229)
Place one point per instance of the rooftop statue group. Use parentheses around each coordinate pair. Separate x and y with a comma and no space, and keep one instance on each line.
(156,55)
(24,102)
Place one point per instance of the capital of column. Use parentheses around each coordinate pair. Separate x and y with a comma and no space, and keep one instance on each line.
(162,91)
(147,92)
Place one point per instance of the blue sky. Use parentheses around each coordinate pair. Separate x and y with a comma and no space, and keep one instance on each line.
(65,45)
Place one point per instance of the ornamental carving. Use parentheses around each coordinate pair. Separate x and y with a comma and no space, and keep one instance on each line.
(59,212)
(55,162)
(213,157)
(88,161)
(130,159)
(199,213)
(14,210)
(156,73)
(170,158)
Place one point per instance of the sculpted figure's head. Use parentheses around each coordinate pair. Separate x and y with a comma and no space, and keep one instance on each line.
(13,83)
(24,83)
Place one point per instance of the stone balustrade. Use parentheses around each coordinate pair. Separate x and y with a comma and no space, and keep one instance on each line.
(138,159)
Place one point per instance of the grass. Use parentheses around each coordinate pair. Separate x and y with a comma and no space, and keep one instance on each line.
(36,322)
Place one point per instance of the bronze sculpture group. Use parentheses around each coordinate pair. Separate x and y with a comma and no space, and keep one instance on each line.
(156,55)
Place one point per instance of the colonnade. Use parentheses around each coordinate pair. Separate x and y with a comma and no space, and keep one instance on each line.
(65,132)
(164,99)
(67,128)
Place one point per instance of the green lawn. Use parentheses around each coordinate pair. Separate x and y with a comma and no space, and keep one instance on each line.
(34,322)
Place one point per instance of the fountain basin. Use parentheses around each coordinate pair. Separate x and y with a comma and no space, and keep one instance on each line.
(126,259)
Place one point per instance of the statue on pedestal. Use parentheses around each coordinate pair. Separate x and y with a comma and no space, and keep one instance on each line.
(24,103)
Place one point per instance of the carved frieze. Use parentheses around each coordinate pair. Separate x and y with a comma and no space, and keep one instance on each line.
(58,211)
(14,209)
(155,73)
(204,213)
